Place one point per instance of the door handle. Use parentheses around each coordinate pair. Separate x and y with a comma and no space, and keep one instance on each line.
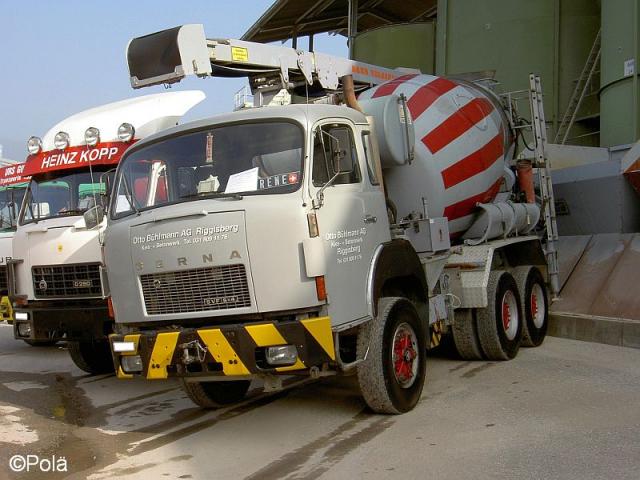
(370,219)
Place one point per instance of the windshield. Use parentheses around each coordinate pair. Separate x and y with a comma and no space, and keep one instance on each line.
(10,201)
(64,195)
(246,159)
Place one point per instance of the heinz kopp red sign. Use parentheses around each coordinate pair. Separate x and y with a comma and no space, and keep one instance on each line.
(107,153)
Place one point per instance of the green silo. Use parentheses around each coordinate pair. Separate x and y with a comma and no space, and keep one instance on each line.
(513,38)
(400,45)
(620,93)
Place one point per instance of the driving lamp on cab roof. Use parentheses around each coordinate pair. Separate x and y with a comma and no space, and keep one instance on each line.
(126,132)
(92,136)
(61,140)
(34,145)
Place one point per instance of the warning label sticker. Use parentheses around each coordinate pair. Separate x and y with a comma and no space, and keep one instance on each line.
(239,54)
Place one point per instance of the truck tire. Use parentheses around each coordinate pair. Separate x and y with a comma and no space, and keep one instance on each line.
(392,375)
(216,394)
(499,324)
(535,305)
(465,334)
(40,343)
(92,357)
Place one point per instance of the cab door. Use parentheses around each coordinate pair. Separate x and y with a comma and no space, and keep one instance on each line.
(351,214)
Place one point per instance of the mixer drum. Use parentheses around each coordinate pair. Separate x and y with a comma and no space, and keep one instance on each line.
(461,144)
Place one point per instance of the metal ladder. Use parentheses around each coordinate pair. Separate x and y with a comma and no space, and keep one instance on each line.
(579,92)
(542,168)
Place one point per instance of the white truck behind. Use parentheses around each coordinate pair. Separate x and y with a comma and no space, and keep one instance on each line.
(316,239)
(56,274)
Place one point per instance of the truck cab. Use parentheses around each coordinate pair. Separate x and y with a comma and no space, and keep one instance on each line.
(57,273)
(233,196)
(256,232)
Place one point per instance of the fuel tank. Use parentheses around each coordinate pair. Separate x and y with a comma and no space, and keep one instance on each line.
(453,153)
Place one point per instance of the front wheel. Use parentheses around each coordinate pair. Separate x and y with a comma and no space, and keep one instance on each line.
(216,394)
(92,357)
(393,346)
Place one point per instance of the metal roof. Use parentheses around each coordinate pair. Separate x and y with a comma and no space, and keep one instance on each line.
(296,18)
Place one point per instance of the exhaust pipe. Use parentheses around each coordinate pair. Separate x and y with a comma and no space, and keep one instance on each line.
(525,179)
(350,93)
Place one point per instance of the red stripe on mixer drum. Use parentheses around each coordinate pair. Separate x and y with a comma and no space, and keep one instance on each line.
(424,97)
(457,124)
(475,163)
(465,207)
(390,87)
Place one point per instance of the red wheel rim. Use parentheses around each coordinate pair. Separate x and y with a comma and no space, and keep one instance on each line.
(510,314)
(405,355)
(506,315)
(538,308)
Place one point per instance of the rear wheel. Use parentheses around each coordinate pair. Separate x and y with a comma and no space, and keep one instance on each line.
(465,334)
(500,324)
(535,305)
(216,394)
(92,357)
(392,375)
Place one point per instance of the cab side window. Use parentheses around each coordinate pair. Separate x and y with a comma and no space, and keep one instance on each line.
(334,155)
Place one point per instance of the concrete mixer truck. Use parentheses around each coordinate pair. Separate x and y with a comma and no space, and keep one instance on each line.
(56,278)
(317,239)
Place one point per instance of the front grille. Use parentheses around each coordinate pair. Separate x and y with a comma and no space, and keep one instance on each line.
(196,290)
(60,281)
(4,281)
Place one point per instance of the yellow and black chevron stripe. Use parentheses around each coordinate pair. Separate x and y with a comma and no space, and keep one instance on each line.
(230,350)
(436,333)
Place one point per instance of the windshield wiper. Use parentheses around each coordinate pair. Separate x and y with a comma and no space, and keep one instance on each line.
(71,212)
(235,196)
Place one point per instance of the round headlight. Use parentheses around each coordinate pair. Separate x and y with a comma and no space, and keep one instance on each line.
(92,136)
(34,145)
(126,132)
(61,140)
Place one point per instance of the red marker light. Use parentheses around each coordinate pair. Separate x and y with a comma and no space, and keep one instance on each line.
(321,288)
(110,307)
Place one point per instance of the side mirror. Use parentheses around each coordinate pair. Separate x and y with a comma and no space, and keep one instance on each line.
(93,217)
(107,179)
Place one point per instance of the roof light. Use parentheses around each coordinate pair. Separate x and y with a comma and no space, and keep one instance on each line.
(92,136)
(126,132)
(61,140)
(34,145)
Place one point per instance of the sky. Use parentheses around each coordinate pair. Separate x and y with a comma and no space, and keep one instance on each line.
(61,57)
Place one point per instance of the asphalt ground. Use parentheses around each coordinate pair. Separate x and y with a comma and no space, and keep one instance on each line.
(567,409)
